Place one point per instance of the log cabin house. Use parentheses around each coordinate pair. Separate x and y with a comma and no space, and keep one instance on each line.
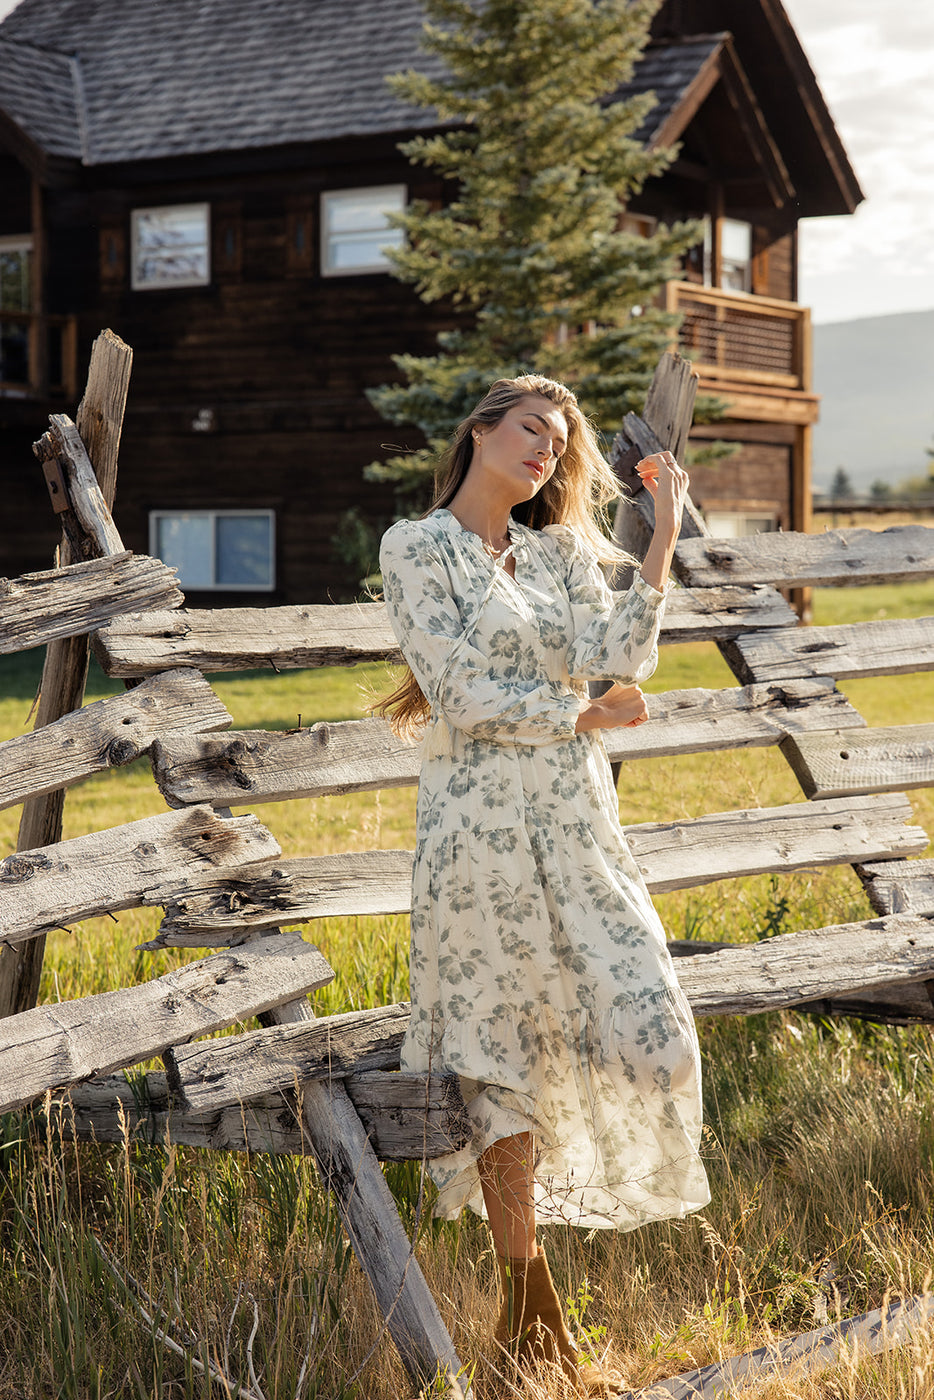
(210,179)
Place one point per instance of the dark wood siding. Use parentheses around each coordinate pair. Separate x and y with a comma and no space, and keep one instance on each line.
(272,357)
(757,478)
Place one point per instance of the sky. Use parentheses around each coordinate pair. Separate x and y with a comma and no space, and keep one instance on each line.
(873,60)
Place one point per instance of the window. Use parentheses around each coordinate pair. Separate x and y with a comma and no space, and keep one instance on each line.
(170,247)
(643,225)
(16,297)
(735,255)
(216,549)
(731,524)
(354,230)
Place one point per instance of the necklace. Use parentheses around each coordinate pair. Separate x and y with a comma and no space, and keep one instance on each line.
(494,549)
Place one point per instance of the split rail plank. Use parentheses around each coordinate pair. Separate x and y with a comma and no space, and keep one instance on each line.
(349,1168)
(837,762)
(122,867)
(39,608)
(107,734)
(798,836)
(840,960)
(792,560)
(60,1044)
(670,855)
(899,886)
(407,1117)
(908,1004)
(869,1334)
(331,634)
(209,1076)
(891,647)
(100,423)
(356,755)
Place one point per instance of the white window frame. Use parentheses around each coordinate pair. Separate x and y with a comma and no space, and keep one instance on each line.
(741,265)
(141,283)
(213,515)
(397,198)
(19,243)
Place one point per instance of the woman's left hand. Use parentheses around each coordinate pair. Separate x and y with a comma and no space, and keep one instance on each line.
(668,483)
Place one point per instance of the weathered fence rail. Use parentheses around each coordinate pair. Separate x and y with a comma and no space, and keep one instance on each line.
(334,1086)
(40,608)
(298,638)
(258,765)
(107,734)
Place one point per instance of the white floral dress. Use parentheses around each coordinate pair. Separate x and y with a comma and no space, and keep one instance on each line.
(539,973)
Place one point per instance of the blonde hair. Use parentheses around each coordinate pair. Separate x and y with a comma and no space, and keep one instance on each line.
(577,494)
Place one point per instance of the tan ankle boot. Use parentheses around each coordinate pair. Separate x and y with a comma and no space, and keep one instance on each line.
(531,1326)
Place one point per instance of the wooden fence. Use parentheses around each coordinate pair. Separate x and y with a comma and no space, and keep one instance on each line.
(334,1084)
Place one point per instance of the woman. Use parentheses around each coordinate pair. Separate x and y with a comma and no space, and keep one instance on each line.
(539,972)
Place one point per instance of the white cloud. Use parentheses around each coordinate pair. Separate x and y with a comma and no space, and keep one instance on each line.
(873,63)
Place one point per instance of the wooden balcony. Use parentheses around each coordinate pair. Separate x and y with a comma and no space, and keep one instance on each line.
(753,352)
(38,356)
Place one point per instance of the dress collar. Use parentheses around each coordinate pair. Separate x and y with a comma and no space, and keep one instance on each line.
(518,535)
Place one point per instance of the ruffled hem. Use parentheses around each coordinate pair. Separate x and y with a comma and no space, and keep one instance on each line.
(612,1100)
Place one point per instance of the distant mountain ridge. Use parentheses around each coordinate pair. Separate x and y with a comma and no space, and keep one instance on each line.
(876,380)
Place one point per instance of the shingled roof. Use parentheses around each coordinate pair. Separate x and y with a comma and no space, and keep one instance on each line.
(122,80)
(189,77)
(39,90)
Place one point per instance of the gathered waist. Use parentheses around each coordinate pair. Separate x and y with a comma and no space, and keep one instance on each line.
(481,786)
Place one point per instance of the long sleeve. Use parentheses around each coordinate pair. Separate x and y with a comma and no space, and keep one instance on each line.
(615,635)
(472,691)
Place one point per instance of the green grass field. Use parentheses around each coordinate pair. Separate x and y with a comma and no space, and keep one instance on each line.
(819,1138)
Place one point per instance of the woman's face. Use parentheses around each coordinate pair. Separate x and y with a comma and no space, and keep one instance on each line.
(518,455)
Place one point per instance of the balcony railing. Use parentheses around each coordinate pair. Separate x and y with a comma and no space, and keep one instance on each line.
(38,355)
(746,340)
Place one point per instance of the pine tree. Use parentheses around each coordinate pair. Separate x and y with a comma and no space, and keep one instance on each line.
(529,249)
(841,488)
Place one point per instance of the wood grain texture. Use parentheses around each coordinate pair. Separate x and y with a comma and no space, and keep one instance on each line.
(907,1004)
(407,1117)
(349,1168)
(87,499)
(52,1046)
(100,422)
(107,734)
(798,836)
(261,766)
(881,648)
(671,855)
(240,639)
(797,967)
(39,608)
(899,886)
(100,413)
(248,1066)
(841,761)
(786,559)
(122,867)
(231,907)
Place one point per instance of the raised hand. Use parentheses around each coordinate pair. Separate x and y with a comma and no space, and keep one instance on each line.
(668,483)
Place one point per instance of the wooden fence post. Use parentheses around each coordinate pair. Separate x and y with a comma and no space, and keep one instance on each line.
(349,1167)
(99,423)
